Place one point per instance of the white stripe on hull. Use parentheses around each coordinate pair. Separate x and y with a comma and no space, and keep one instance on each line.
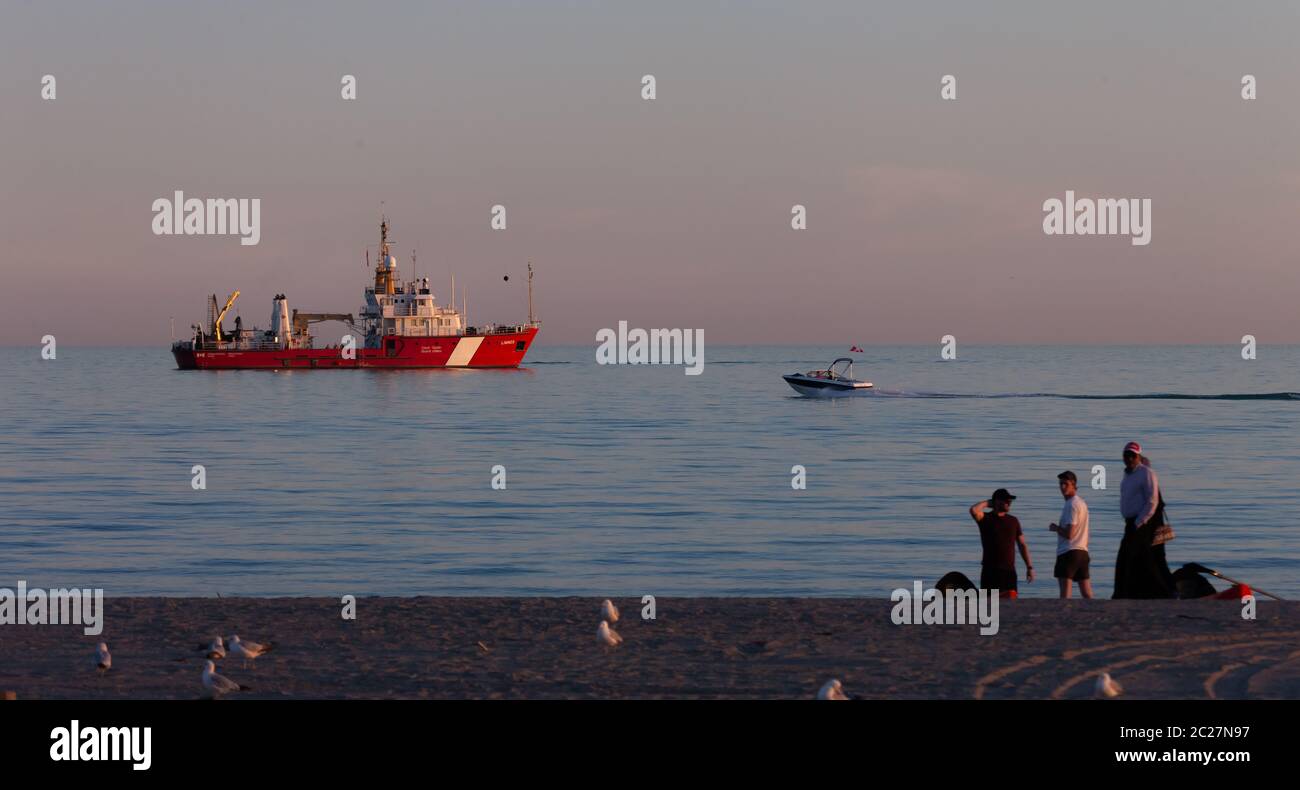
(464,352)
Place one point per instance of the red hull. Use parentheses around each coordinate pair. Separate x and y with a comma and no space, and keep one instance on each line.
(500,350)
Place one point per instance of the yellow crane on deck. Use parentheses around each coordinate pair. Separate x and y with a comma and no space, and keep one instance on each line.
(216,323)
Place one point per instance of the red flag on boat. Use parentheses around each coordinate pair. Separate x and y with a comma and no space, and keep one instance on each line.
(856,350)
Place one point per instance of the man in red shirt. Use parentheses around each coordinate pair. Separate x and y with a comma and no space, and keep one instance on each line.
(1000,534)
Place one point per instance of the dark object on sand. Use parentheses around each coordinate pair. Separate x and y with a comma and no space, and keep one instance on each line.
(1191,584)
(1196,567)
(954,581)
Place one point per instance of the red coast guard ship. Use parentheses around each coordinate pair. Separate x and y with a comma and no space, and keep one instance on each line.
(400,327)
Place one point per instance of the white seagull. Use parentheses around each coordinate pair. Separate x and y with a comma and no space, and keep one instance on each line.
(832,690)
(103,658)
(607,636)
(608,611)
(247,650)
(217,649)
(1107,687)
(218,684)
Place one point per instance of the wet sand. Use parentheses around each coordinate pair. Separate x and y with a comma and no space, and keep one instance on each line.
(536,648)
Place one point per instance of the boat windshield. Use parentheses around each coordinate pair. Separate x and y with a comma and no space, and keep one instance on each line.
(841,369)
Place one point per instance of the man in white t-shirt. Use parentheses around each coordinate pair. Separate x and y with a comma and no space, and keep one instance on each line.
(1072,557)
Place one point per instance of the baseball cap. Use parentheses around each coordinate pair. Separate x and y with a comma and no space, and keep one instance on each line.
(1002,493)
(1133,447)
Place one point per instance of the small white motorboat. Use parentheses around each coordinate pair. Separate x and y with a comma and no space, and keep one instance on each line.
(835,380)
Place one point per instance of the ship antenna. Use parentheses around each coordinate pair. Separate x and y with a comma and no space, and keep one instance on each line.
(530,293)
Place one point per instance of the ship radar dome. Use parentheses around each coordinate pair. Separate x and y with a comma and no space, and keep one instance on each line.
(391,262)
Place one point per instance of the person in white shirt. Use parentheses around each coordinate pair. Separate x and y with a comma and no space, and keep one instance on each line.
(1072,558)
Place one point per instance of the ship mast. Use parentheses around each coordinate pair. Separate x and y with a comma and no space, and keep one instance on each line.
(383,271)
(530,293)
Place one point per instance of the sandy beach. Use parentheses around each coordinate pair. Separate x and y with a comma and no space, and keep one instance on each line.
(539,648)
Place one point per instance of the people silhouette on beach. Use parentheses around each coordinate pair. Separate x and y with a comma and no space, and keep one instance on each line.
(1140,568)
(1000,535)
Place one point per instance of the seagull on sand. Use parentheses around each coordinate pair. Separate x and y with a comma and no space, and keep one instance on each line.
(832,690)
(608,611)
(218,684)
(103,658)
(217,648)
(1107,687)
(247,650)
(607,636)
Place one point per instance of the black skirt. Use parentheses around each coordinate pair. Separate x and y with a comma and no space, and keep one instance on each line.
(1140,569)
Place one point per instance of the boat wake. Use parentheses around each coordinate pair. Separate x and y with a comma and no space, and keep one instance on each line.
(1250,396)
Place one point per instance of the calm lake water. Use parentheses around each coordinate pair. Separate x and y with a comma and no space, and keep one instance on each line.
(626,480)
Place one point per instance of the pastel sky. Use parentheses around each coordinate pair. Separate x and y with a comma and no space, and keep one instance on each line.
(924,216)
